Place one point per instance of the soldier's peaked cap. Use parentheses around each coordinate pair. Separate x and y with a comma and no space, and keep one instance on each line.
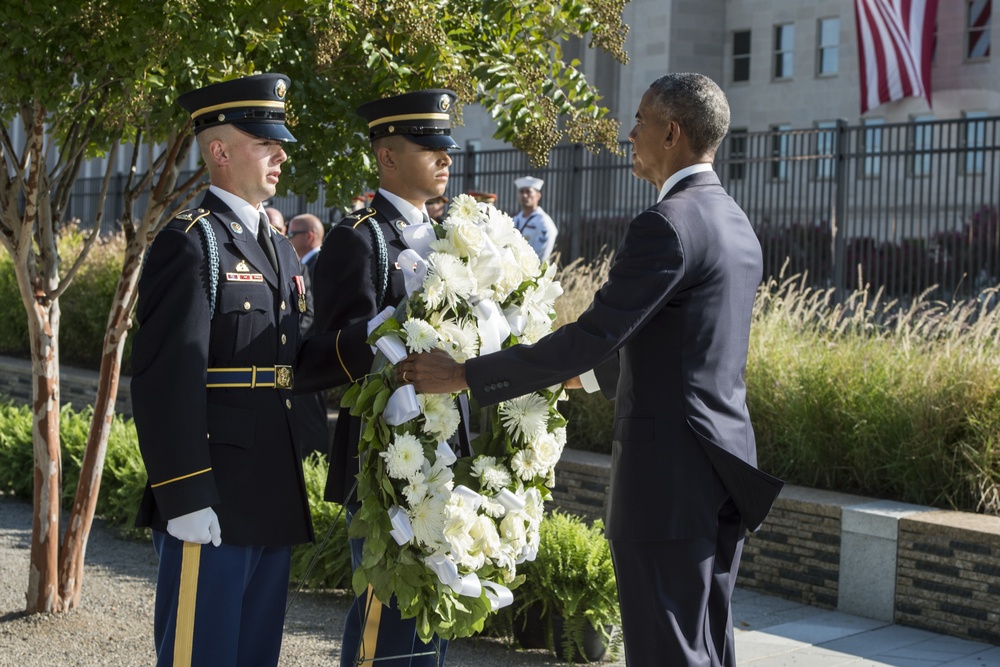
(423,117)
(254,104)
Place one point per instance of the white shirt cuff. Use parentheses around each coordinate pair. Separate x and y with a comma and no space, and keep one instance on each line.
(589,382)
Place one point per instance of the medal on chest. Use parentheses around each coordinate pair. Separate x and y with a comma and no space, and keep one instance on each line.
(300,287)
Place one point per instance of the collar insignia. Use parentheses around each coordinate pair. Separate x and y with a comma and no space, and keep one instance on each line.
(236,227)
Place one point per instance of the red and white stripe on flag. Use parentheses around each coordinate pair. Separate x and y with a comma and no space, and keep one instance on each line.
(895,48)
(979,33)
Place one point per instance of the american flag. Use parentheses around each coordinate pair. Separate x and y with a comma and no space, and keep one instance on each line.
(895,47)
(979,33)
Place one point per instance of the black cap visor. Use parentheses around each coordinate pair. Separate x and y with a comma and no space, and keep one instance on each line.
(276,131)
(438,141)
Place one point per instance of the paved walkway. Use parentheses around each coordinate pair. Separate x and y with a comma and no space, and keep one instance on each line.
(772,632)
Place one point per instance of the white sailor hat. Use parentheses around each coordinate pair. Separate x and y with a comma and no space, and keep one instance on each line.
(529,182)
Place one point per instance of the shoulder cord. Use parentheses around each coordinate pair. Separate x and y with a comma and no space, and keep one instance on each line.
(380,270)
(212,252)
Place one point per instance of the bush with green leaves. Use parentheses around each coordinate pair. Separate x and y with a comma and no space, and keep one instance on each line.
(571,578)
(124,479)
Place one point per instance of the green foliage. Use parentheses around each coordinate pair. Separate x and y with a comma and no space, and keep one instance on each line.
(591,421)
(572,577)
(16,456)
(882,400)
(331,552)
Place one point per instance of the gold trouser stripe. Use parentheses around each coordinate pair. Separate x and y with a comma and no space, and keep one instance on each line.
(369,636)
(186,598)
(340,358)
(177,479)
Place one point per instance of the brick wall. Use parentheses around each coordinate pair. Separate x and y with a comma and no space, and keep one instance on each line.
(948,576)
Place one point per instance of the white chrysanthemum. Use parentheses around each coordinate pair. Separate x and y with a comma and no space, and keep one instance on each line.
(467,237)
(420,335)
(526,465)
(403,457)
(525,415)
(492,475)
(427,519)
(492,508)
(440,415)
(560,435)
(458,283)
(415,489)
(444,245)
(464,207)
(434,291)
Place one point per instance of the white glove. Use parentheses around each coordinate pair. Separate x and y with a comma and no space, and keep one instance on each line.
(375,322)
(200,526)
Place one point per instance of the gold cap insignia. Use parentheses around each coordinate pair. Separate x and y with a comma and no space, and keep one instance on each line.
(444,103)
(280,89)
(236,227)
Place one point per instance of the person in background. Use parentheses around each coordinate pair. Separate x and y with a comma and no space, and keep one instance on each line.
(437,208)
(276,219)
(213,360)
(667,336)
(305,231)
(534,224)
(357,277)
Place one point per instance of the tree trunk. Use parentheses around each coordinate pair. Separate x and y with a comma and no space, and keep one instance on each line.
(81,518)
(42,594)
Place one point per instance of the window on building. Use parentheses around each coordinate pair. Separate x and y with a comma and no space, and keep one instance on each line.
(741,55)
(871,147)
(975,140)
(784,50)
(921,142)
(828,54)
(779,149)
(737,153)
(826,140)
(977,29)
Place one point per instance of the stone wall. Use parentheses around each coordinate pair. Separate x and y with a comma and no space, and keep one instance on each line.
(76,387)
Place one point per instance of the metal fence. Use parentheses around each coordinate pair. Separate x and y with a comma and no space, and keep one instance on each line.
(900,207)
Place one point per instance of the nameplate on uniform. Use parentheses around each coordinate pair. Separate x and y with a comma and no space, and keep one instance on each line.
(245,277)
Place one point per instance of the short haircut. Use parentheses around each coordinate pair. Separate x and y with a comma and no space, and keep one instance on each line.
(697,104)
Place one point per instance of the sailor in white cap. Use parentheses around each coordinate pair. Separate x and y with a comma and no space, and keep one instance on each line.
(534,224)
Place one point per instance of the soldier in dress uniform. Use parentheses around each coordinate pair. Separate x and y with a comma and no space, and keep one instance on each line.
(483,197)
(357,277)
(220,297)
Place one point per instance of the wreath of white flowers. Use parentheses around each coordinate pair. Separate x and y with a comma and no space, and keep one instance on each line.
(445,534)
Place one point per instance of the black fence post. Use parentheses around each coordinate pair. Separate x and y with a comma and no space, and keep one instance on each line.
(576,203)
(838,210)
(470,166)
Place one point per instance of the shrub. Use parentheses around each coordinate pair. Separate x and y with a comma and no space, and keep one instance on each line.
(331,552)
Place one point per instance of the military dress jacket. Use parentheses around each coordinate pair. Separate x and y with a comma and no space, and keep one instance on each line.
(348,293)
(228,447)
(676,312)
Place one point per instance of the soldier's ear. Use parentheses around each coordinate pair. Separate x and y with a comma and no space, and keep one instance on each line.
(385,157)
(219,151)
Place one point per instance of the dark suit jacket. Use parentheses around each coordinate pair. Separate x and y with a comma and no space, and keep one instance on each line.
(312,421)
(676,309)
(229,448)
(345,300)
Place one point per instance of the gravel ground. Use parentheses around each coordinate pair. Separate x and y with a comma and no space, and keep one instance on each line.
(114,624)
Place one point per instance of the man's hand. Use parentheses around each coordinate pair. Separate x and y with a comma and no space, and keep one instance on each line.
(434,372)
(200,527)
(573,383)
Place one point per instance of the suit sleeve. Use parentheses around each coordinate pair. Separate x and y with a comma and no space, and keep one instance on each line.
(648,270)
(344,301)
(169,360)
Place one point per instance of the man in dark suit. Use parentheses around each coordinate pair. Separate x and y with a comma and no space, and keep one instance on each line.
(357,277)
(668,335)
(305,231)
(219,302)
